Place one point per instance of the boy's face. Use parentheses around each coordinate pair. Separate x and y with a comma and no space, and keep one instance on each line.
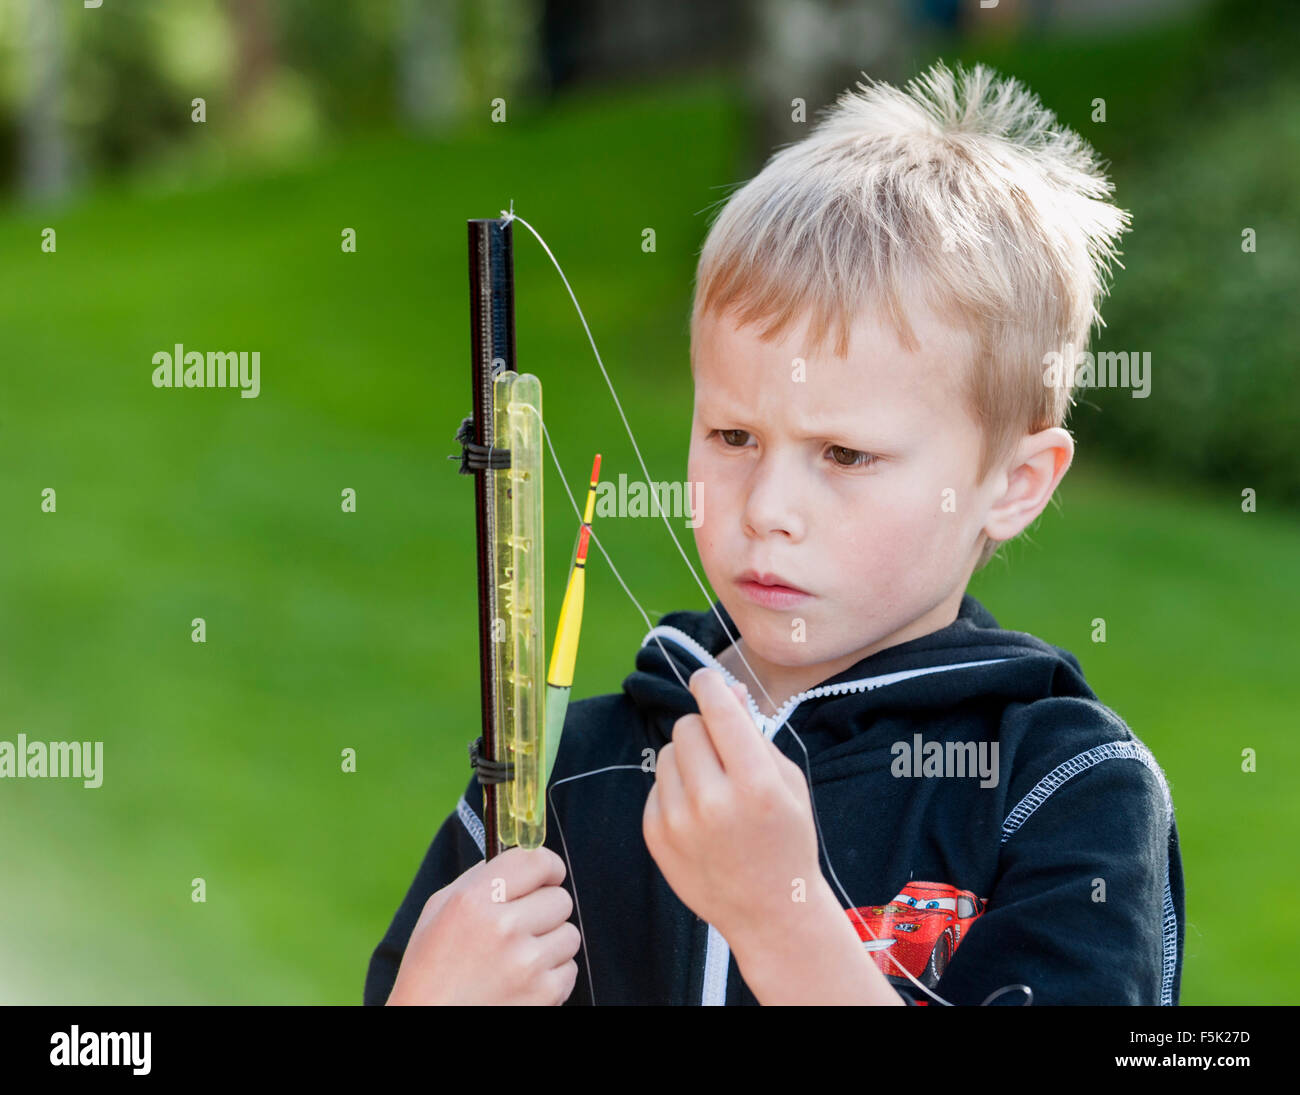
(880,555)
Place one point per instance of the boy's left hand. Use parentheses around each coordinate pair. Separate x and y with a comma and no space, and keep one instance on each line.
(729,820)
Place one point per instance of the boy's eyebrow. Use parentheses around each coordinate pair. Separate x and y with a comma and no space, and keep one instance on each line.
(845,428)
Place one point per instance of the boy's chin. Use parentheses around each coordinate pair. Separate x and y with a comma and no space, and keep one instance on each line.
(774,638)
(774,644)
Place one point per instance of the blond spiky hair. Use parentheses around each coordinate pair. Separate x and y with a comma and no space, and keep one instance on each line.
(963,186)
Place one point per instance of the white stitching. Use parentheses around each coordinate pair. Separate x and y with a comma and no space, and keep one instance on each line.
(1169,932)
(471,822)
(1044,788)
(717,965)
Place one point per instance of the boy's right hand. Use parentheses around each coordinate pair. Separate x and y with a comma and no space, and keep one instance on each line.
(467,948)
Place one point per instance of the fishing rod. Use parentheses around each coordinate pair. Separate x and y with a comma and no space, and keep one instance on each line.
(522,704)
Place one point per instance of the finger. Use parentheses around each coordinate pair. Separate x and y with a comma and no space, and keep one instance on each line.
(542,910)
(557,971)
(739,747)
(668,784)
(559,945)
(697,761)
(548,973)
(742,694)
(521,871)
(559,983)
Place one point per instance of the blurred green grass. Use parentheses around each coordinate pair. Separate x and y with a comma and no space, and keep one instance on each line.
(327,630)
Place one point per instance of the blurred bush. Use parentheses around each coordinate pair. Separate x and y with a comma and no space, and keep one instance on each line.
(90,92)
(1202,132)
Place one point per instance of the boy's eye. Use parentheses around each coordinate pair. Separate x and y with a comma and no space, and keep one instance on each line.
(853,461)
(727,435)
(841,456)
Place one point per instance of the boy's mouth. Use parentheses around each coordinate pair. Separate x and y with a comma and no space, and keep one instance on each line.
(770,590)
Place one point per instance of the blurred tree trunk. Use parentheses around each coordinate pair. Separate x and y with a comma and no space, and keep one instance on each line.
(428,63)
(812,50)
(44,154)
(254,47)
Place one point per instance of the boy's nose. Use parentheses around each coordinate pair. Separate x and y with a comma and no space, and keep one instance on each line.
(775,505)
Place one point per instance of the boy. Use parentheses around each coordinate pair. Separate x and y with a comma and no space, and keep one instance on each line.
(872,317)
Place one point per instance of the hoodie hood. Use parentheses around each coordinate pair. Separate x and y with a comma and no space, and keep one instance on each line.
(972,661)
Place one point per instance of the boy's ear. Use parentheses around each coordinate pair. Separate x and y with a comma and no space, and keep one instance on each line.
(1039,462)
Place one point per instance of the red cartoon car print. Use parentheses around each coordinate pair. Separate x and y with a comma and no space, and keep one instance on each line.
(920,929)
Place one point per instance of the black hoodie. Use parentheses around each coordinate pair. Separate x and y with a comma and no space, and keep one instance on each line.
(991,822)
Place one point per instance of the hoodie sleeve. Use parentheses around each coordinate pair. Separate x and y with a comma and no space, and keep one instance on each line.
(458,845)
(1087,907)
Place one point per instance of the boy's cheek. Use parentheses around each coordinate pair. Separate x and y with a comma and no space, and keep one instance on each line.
(890,549)
(717,554)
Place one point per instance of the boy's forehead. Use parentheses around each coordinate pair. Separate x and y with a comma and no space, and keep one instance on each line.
(733,361)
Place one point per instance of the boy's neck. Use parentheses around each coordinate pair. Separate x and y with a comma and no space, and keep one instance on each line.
(782,682)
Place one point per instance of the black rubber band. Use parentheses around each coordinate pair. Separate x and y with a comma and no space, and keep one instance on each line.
(489,771)
(475,457)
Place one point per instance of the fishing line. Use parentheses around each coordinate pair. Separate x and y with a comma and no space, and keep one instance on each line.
(509,216)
